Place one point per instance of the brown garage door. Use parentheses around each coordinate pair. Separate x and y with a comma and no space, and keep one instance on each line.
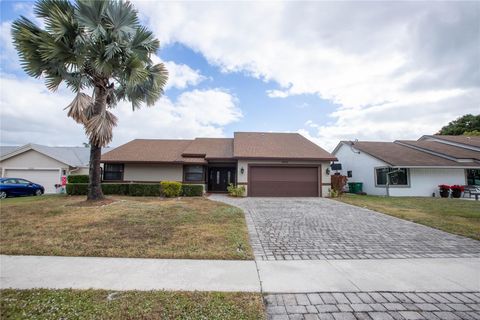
(283,182)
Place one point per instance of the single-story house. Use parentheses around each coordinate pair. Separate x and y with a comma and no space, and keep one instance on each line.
(43,164)
(413,168)
(267,164)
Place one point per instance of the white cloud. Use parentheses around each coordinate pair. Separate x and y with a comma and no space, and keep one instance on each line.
(37,115)
(393,121)
(8,55)
(381,64)
(180,76)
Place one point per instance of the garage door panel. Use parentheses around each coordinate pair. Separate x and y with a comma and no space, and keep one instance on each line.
(47,178)
(283,181)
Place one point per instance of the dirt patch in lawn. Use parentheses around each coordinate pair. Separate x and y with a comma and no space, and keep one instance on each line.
(98,304)
(142,227)
(89,203)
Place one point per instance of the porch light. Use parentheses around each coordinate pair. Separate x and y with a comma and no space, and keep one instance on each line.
(242,170)
(327,171)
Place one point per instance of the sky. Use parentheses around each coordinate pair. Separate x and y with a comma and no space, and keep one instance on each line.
(331,71)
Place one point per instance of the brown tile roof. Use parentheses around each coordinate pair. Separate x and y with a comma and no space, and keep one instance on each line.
(398,155)
(473,141)
(443,148)
(277,146)
(146,150)
(210,148)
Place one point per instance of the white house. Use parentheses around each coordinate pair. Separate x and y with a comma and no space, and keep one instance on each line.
(414,168)
(43,164)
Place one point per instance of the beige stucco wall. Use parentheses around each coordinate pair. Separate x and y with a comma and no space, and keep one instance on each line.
(243,178)
(81,171)
(32,159)
(153,172)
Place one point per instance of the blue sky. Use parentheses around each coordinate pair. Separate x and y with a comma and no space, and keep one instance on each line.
(331,71)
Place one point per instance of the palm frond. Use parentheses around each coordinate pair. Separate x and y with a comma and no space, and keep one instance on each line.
(100,128)
(27,38)
(121,18)
(90,15)
(76,109)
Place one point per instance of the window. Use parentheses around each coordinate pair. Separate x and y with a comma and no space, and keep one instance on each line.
(473,177)
(349,173)
(397,177)
(113,171)
(22,181)
(194,173)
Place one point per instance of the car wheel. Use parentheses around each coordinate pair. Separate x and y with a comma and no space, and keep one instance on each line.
(38,192)
(3,195)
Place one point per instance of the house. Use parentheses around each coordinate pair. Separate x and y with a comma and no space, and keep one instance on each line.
(267,164)
(413,168)
(43,164)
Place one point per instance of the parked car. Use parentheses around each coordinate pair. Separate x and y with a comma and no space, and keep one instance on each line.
(10,187)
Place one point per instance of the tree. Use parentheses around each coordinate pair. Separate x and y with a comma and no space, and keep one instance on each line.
(92,45)
(462,125)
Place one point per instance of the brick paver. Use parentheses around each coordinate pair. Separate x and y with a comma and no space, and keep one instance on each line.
(398,306)
(318,228)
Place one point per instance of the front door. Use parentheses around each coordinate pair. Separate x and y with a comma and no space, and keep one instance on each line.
(219,178)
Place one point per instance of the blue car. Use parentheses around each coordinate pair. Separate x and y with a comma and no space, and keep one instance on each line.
(10,187)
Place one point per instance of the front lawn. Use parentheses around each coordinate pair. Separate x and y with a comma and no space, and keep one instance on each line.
(136,227)
(100,304)
(457,216)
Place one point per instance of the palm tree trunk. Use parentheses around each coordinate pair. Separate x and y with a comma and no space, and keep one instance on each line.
(95,186)
(95,176)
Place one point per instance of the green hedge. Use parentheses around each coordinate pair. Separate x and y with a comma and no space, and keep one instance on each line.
(81,178)
(76,189)
(137,189)
(192,190)
(143,190)
(115,188)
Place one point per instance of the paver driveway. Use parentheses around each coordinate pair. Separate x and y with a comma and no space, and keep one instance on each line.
(319,228)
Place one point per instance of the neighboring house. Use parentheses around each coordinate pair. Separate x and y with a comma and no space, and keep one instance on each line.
(42,164)
(267,164)
(416,168)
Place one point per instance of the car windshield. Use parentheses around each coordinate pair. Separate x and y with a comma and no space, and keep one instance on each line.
(22,181)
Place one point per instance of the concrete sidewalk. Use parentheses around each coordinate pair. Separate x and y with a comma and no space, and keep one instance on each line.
(425,275)
(23,272)
(412,275)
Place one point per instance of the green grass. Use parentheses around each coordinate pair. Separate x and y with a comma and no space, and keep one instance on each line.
(456,216)
(94,304)
(135,227)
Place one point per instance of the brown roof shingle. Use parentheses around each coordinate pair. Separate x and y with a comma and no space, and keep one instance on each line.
(150,150)
(210,148)
(443,148)
(277,146)
(399,155)
(473,141)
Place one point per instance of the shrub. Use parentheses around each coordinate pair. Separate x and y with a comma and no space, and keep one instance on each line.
(334,193)
(115,188)
(192,190)
(76,189)
(81,178)
(171,189)
(140,190)
(236,191)
(338,183)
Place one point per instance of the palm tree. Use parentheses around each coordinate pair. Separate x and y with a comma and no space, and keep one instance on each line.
(92,45)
